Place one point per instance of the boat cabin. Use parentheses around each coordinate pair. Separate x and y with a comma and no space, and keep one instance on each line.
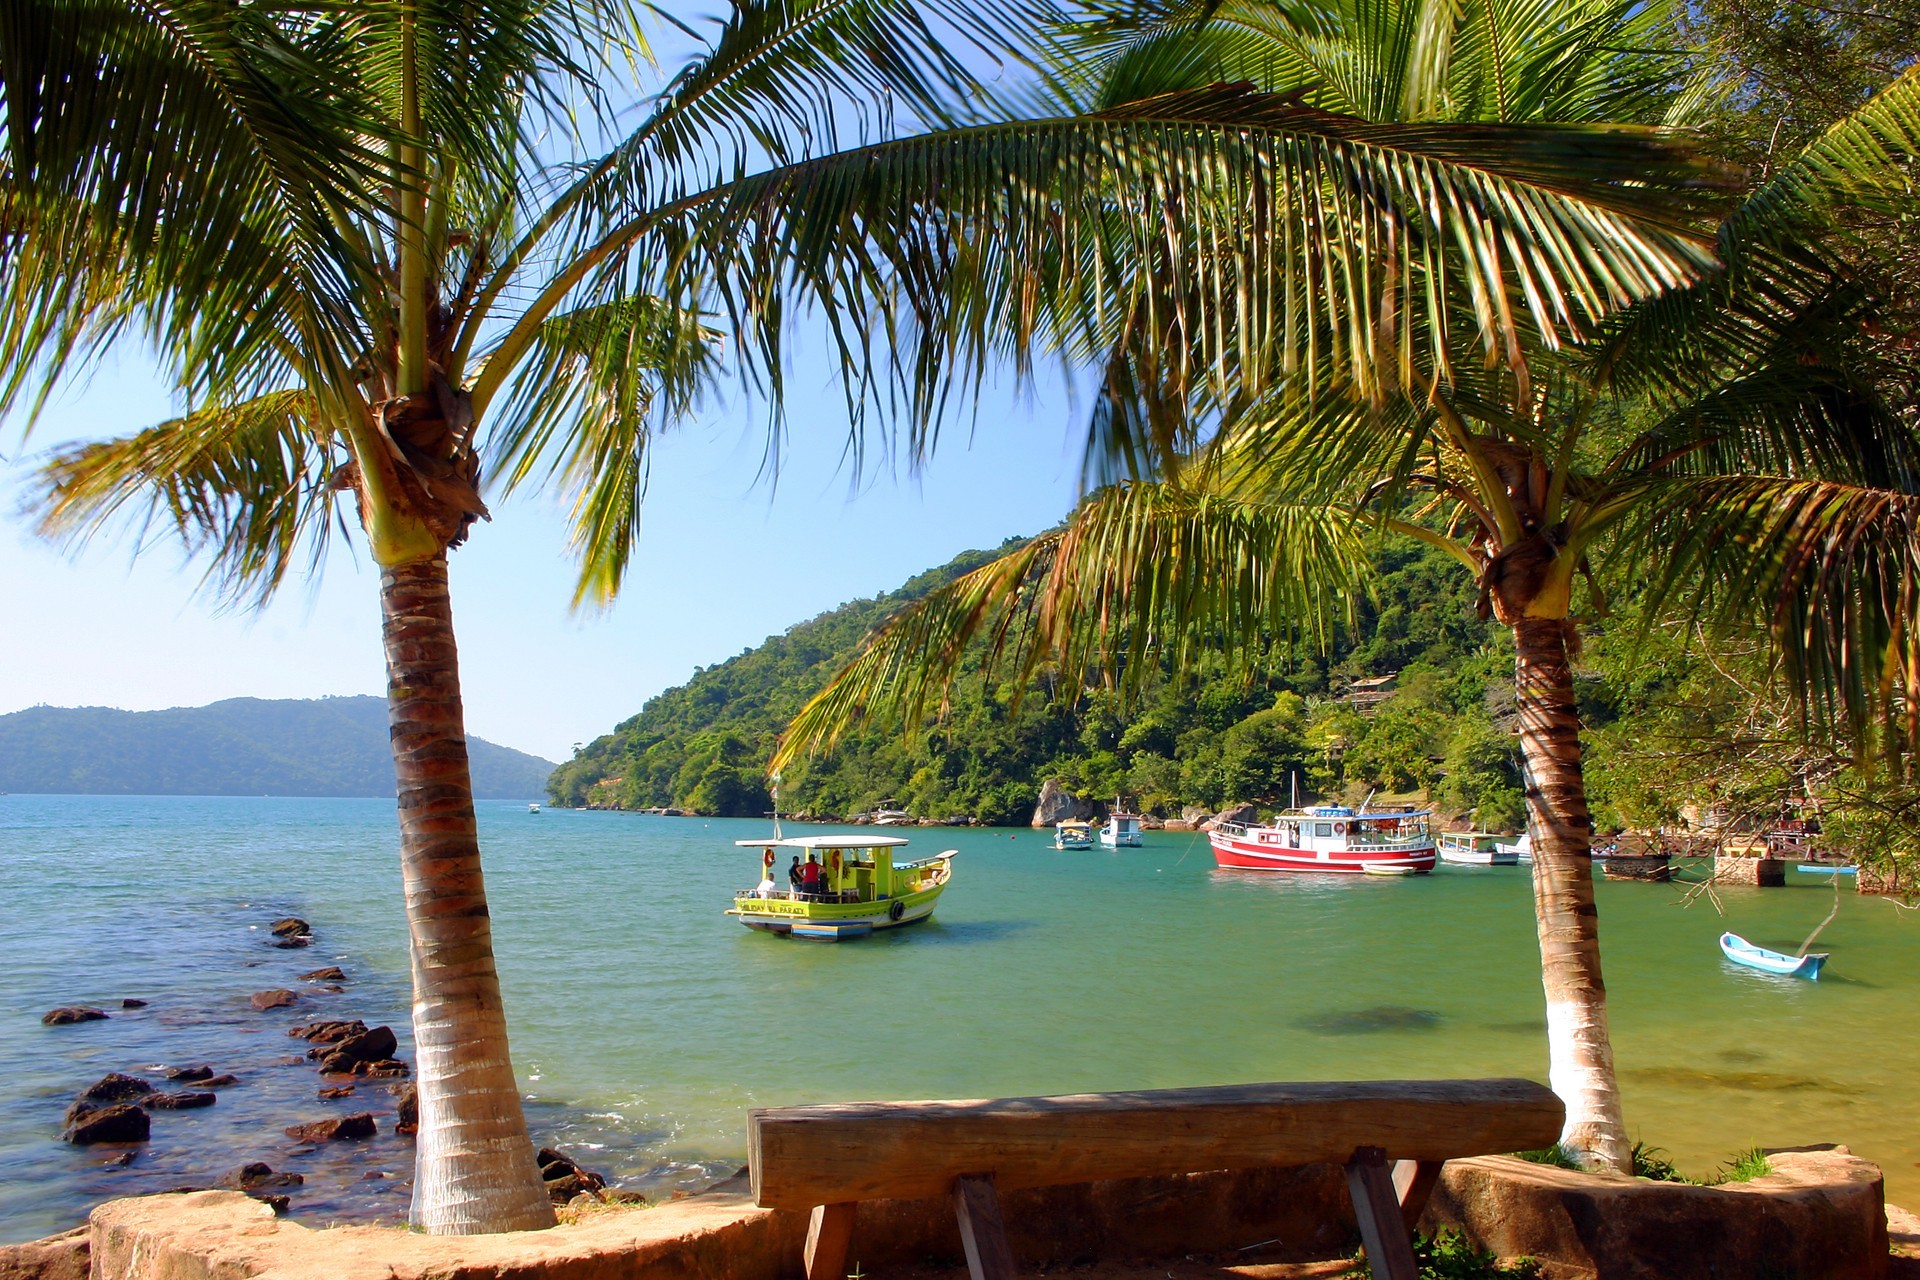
(852,868)
(1337,828)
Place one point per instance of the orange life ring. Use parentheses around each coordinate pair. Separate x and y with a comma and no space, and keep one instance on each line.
(767,861)
(1339,828)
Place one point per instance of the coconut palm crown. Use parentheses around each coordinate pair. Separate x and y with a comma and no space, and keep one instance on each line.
(1704,430)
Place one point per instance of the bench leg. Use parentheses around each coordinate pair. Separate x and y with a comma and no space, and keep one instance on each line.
(1413,1184)
(989,1256)
(828,1235)
(1377,1208)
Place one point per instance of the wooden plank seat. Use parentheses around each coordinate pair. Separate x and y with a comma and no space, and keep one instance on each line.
(828,1158)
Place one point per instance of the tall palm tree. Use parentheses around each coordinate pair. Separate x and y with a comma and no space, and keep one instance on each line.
(369,284)
(1741,395)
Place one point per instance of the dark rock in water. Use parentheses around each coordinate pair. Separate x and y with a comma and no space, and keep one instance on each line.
(278,998)
(376,1045)
(122,1160)
(220,1082)
(1363,1022)
(332,988)
(258,1173)
(131,1003)
(343,1129)
(344,1091)
(180,1101)
(117,1123)
(189,1075)
(71,1013)
(385,1069)
(114,1088)
(331,973)
(408,1120)
(291,927)
(620,1195)
(276,1203)
(328,1033)
(296,941)
(374,1175)
(564,1178)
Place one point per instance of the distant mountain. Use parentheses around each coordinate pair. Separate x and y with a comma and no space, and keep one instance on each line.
(239,747)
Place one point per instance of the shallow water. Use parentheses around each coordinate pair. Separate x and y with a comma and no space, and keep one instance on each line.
(645,1022)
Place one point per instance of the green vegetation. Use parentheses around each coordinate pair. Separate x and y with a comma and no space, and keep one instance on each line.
(1209,739)
(237,747)
(1556,1156)
(1451,1256)
(1745,1167)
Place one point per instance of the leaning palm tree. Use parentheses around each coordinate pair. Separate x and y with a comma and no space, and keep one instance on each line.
(1742,389)
(336,227)
(367,307)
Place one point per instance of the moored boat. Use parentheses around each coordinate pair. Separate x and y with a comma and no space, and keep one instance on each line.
(1476,849)
(1328,838)
(1827,868)
(1521,850)
(1073,834)
(1121,829)
(1740,951)
(534,807)
(857,889)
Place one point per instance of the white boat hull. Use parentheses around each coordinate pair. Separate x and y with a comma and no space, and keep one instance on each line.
(1505,856)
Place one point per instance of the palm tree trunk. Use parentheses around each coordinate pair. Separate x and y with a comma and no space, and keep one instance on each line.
(1580,1052)
(474,1169)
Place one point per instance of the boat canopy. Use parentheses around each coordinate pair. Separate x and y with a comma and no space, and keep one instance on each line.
(822,842)
(1372,815)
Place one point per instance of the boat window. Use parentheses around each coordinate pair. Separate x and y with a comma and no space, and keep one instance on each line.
(1323,828)
(1267,837)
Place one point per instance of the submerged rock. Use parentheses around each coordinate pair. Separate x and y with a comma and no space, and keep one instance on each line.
(327,1033)
(343,1129)
(1362,1022)
(278,998)
(70,1014)
(117,1123)
(344,1091)
(258,1173)
(291,927)
(408,1118)
(189,1075)
(332,973)
(220,1082)
(190,1101)
(565,1179)
(131,1003)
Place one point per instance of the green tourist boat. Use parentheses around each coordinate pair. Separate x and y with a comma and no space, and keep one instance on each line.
(855,889)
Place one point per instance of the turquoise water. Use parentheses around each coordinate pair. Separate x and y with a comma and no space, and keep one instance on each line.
(645,1022)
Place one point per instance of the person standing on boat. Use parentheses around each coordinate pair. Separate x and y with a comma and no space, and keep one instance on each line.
(810,877)
(794,876)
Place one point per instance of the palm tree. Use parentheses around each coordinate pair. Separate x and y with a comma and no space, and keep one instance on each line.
(367,283)
(1740,396)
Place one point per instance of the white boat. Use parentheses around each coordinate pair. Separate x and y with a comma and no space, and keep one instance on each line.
(1121,830)
(534,807)
(1327,838)
(1521,850)
(1073,834)
(1476,849)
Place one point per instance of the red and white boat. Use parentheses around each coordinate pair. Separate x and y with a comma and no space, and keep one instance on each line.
(1329,838)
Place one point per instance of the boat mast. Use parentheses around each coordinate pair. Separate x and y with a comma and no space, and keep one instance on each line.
(776,806)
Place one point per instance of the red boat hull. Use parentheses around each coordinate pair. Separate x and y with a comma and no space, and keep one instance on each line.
(1245,855)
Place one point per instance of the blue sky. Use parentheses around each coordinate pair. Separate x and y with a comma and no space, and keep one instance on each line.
(725,560)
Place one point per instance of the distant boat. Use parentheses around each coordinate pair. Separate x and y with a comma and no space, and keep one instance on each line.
(534,807)
(1122,829)
(1073,834)
(1740,951)
(1476,849)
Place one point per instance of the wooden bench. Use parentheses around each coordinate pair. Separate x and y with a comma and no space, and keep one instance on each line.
(828,1158)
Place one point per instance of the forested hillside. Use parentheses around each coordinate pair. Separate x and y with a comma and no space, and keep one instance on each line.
(239,747)
(1202,740)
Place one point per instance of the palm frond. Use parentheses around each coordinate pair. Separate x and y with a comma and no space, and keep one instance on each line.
(580,410)
(1294,226)
(1140,572)
(250,487)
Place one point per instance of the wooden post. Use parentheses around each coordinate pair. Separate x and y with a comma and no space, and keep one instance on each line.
(982,1232)
(1413,1183)
(828,1234)
(1377,1208)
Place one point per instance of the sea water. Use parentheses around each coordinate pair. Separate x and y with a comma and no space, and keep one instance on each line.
(645,1022)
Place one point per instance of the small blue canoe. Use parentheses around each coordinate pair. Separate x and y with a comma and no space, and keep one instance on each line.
(1826,869)
(1740,951)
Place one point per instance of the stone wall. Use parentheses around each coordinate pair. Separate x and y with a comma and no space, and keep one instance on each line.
(1755,871)
(1820,1216)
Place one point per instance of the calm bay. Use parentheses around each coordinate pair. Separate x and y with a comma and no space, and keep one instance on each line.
(645,1022)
